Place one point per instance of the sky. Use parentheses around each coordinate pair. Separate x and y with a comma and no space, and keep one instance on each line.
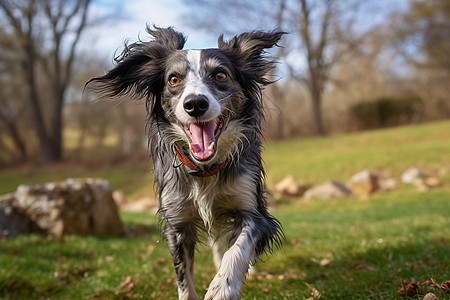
(108,37)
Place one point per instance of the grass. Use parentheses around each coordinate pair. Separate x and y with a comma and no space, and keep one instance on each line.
(134,178)
(339,157)
(340,249)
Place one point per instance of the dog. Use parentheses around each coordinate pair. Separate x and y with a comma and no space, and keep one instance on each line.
(204,125)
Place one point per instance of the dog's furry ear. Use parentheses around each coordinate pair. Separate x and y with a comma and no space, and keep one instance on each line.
(249,51)
(140,66)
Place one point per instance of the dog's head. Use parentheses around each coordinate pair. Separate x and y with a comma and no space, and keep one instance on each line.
(198,92)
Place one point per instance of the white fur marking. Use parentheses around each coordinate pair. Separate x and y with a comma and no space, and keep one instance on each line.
(227,284)
(194,85)
(189,292)
(241,191)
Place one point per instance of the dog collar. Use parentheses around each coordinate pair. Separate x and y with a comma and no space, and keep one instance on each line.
(195,170)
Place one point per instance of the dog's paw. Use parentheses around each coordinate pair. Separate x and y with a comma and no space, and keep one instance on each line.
(224,288)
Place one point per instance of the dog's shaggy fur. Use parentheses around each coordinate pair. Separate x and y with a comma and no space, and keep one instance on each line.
(204,122)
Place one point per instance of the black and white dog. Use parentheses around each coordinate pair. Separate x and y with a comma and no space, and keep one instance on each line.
(204,121)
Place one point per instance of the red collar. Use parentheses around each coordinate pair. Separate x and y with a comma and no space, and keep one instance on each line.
(195,170)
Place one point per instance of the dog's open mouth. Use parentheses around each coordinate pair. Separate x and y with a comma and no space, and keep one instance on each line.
(204,137)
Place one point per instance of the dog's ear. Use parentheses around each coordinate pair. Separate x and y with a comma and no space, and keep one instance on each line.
(140,67)
(248,49)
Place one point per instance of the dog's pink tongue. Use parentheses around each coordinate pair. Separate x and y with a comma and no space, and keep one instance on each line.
(202,139)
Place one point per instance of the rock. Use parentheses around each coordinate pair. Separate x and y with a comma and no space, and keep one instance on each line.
(423,182)
(413,176)
(364,183)
(430,296)
(143,204)
(73,206)
(328,190)
(104,214)
(290,187)
(119,198)
(387,184)
(442,171)
(12,221)
(433,182)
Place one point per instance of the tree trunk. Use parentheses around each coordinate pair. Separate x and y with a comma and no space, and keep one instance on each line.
(315,89)
(57,123)
(44,140)
(17,140)
(317,112)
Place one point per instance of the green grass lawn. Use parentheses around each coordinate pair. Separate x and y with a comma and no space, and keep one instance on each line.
(342,249)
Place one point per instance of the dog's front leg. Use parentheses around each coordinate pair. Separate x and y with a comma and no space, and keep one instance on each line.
(181,240)
(227,284)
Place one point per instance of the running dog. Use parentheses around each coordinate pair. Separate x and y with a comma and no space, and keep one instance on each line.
(204,124)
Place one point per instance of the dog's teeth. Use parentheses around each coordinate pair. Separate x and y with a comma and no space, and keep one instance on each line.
(211,147)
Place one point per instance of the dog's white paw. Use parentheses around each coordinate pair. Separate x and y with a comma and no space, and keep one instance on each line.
(224,288)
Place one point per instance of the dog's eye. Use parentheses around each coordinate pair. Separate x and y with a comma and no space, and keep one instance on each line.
(174,80)
(221,76)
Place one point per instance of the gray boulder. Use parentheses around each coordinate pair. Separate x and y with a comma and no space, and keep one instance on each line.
(73,206)
(328,190)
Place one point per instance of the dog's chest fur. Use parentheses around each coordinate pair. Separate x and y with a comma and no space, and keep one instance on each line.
(211,201)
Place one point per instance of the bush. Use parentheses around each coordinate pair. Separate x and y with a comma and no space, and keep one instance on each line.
(388,112)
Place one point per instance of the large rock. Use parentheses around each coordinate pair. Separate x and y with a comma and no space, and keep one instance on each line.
(12,221)
(142,204)
(422,181)
(289,186)
(364,183)
(414,176)
(328,190)
(387,184)
(73,206)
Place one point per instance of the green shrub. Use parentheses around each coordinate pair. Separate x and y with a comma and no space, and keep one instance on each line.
(388,112)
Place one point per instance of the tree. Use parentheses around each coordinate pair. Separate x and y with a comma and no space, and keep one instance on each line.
(425,30)
(47,33)
(422,34)
(322,34)
(12,108)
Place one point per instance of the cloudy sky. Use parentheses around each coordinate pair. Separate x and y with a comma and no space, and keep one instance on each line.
(127,22)
(130,24)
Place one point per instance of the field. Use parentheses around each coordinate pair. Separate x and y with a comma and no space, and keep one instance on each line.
(336,249)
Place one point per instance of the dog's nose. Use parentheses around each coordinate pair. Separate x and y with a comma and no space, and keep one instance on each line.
(196,105)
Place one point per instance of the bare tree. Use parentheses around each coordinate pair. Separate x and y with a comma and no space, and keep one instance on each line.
(322,34)
(422,36)
(47,33)
(425,29)
(11,92)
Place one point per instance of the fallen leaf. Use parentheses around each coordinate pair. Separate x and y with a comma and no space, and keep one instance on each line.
(172,281)
(316,295)
(409,289)
(148,253)
(125,286)
(128,281)
(297,242)
(435,284)
(446,286)
(359,265)
(325,262)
